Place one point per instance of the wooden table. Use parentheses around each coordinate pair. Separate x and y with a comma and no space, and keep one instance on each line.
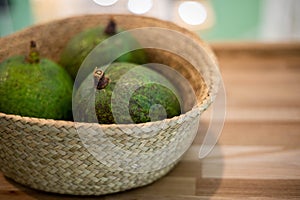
(258,153)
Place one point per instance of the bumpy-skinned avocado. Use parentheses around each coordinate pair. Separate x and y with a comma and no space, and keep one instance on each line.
(84,42)
(34,87)
(154,99)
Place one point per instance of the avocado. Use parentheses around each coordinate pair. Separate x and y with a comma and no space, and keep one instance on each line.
(78,48)
(34,87)
(154,99)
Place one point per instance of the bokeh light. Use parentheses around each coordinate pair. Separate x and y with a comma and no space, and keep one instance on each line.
(105,2)
(139,6)
(192,12)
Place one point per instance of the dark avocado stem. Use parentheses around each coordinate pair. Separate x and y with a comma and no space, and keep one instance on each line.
(33,56)
(100,81)
(111,28)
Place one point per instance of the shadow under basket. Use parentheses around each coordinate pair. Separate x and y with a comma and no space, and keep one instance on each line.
(91,159)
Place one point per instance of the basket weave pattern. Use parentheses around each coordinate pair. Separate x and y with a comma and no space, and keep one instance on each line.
(49,154)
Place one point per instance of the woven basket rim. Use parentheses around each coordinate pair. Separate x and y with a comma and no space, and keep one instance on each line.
(111,15)
(200,106)
(43,121)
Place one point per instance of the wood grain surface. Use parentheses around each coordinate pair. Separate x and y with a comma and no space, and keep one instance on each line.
(258,153)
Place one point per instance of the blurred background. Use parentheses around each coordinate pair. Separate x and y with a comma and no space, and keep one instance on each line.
(213,20)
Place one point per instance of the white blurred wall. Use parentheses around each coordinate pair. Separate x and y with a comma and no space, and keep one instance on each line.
(280,20)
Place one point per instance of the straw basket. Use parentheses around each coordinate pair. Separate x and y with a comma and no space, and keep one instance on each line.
(50,155)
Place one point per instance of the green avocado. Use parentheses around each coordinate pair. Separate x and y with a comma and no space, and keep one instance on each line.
(79,47)
(35,87)
(151,96)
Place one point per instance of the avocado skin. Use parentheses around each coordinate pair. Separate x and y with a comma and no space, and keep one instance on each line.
(140,101)
(42,90)
(79,47)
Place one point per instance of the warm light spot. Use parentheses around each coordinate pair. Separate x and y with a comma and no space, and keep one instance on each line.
(139,6)
(192,12)
(105,2)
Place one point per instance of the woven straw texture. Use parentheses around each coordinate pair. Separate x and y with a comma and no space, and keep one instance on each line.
(50,155)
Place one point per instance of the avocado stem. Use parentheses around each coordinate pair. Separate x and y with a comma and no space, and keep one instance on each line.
(111,27)
(100,81)
(33,56)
